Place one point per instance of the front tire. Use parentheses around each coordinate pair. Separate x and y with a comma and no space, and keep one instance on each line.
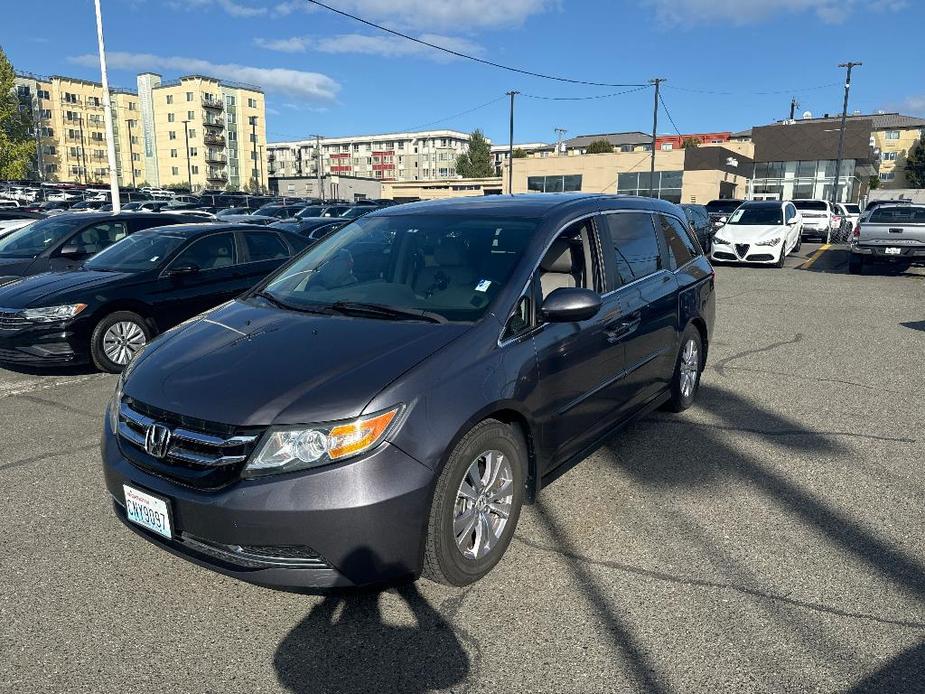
(117,339)
(689,365)
(477,503)
(783,255)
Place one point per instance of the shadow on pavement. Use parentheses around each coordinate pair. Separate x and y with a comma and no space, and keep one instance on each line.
(904,674)
(915,325)
(48,370)
(343,645)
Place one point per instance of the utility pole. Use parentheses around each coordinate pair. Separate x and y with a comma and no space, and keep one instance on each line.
(131,151)
(107,114)
(656,81)
(559,133)
(189,167)
(318,166)
(793,107)
(261,168)
(841,136)
(83,151)
(510,148)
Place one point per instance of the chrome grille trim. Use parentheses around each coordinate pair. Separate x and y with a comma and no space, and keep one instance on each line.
(12,319)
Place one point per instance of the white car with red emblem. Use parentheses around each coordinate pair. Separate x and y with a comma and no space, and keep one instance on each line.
(763,232)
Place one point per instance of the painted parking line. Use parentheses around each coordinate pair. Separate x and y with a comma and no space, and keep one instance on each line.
(814,257)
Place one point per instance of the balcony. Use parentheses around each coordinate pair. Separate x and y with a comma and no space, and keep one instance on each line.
(216,104)
(216,177)
(216,158)
(211,122)
(213,140)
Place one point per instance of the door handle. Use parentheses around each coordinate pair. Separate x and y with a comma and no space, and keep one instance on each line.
(622,326)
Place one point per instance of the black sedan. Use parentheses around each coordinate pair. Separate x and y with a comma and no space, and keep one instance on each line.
(65,241)
(109,309)
(313,228)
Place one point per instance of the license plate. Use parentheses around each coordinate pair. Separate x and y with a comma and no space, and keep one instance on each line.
(147,511)
(892,251)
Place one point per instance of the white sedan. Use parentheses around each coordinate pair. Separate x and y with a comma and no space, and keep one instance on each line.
(759,232)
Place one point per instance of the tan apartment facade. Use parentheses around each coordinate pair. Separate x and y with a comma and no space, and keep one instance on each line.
(695,175)
(70,131)
(223,123)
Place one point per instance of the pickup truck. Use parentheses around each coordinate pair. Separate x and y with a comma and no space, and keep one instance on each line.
(890,233)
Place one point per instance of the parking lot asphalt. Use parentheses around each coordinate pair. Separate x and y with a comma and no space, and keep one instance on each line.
(771,539)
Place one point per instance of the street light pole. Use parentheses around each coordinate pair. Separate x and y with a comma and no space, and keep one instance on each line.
(107,113)
(510,148)
(189,167)
(254,143)
(131,151)
(841,138)
(657,81)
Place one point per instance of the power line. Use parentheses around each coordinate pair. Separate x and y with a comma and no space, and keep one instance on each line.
(668,113)
(461,113)
(778,91)
(585,98)
(459,54)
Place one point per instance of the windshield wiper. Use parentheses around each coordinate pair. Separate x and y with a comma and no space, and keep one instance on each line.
(270,298)
(386,312)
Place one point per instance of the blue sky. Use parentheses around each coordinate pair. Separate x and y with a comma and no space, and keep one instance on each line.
(327,74)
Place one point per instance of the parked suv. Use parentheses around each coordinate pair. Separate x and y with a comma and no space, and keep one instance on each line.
(819,218)
(415,378)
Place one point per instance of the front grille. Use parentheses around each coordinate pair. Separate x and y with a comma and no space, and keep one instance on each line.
(742,249)
(760,257)
(199,454)
(12,320)
(722,255)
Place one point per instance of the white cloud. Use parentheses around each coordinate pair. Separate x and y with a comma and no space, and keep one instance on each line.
(680,12)
(232,7)
(311,86)
(914,105)
(383,45)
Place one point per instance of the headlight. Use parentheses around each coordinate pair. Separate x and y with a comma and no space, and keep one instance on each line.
(50,314)
(769,242)
(114,404)
(296,448)
(720,240)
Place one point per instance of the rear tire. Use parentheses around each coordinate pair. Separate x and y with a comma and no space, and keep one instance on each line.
(856,264)
(688,367)
(117,339)
(467,532)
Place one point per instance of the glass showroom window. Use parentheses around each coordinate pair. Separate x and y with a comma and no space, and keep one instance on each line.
(554,184)
(666,185)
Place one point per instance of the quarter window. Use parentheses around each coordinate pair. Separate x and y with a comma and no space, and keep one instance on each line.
(262,246)
(635,245)
(681,249)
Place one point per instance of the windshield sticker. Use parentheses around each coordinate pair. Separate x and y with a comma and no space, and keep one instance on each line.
(483,285)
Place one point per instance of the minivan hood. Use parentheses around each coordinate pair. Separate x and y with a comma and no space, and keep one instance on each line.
(39,290)
(246,365)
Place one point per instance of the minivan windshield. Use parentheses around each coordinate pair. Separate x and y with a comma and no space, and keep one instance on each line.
(31,240)
(406,267)
(757,214)
(142,251)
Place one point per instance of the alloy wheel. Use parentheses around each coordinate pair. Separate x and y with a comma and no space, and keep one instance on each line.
(483,504)
(690,368)
(122,341)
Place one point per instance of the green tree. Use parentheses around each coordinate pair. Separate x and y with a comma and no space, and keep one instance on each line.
(519,153)
(476,162)
(873,183)
(599,147)
(915,165)
(17,148)
(691,142)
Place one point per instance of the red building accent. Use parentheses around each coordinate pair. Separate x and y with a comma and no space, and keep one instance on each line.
(341,169)
(677,141)
(341,155)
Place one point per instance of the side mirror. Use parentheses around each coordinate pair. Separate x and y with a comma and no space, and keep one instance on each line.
(182,270)
(70,251)
(723,220)
(791,221)
(568,304)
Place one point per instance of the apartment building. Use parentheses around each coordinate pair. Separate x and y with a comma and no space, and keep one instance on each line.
(408,156)
(196,131)
(70,131)
(500,153)
(207,133)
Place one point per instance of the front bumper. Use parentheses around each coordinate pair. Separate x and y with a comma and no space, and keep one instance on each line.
(745,253)
(351,524)
(44,344)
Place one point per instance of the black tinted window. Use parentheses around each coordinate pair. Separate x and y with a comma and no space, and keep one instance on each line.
(635,245)
(210,253)
(906,214)
(262,246)
(680,247)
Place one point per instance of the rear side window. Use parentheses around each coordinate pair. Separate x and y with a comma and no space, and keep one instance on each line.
(634,244)
(681,249)
(262,246)
(818,205)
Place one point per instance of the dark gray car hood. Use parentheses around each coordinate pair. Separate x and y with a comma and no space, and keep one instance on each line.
(246,365)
